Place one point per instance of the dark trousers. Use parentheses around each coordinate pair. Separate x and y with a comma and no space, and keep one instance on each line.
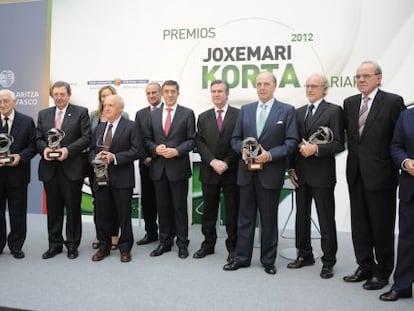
(372,224)
(254,197)
(63,193)
(172,210)
(115,221)
(211,198)
(325,207)
(15,199)
(110,201)
(148,201)
(404,270)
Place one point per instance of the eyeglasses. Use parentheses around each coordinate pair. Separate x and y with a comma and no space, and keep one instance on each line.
(366,76)
(312,86)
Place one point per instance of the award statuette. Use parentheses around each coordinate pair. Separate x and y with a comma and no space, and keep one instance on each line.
(252,147)
(6,141)
(100,168)
(323,135)
(54,137)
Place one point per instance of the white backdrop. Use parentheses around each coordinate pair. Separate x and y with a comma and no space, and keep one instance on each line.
(132,42)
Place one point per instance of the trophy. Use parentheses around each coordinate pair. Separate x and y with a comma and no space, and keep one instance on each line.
(100,167)
(5,142)
(54,137)
(252,147)
(323,135)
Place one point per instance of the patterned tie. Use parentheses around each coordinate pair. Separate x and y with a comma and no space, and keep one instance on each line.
(220,119)
(108,137)
(261,119)
(363,114)
(309,115)
(167,125)
(58,121)
(6,125)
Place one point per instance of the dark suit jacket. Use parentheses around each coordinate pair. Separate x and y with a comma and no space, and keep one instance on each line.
(24,134)
(181,137)
(77,139)
(214,144)
(142,121)
(279,136)
(319,171)
(126,148)
(371,153)
(402,147)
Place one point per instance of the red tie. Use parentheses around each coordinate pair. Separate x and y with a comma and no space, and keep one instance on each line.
(58,121)
(167,125)
(219,119)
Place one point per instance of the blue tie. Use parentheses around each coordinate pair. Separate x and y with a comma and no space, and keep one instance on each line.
(261,120)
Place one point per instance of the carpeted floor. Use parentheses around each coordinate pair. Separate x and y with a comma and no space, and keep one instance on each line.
(170,283)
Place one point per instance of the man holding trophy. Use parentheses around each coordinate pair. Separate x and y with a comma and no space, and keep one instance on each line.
(62,138)
(17,148)
(113,151)
(264,135)
(313,173)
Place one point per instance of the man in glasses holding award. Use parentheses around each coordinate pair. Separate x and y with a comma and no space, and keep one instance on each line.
(312,171)
(63,135)
(17,148)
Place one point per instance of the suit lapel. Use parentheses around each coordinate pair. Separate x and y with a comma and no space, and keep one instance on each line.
(271,117)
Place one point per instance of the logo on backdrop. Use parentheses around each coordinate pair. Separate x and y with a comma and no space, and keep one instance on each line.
(6,78)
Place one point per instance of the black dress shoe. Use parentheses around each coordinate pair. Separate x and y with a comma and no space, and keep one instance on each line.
(375,283)
(161,249)
(73,253)
(18,254)
(393,295)
(147,239)
(183,252)
(51,252)
(358,276)
(270,269)
(202,252)
(326,272)
(301,262)
(233,266)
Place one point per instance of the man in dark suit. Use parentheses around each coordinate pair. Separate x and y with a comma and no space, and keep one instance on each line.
(312,171)
(148,197)
(115,144)
(402,151)
(218,169)
(273,124)
(63,176)
(15,172)
(170,138)
(372,177)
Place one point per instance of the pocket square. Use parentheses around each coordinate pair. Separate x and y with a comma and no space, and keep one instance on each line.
(279,122)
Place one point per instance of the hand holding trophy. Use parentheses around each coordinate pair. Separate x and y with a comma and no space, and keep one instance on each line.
(323,135)
(251,149)
(100,164)
(54,138)
(6,141)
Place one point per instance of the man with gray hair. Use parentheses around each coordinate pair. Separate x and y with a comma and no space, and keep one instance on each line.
(115,143)
(312,170)
(372,177)
(19,132)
